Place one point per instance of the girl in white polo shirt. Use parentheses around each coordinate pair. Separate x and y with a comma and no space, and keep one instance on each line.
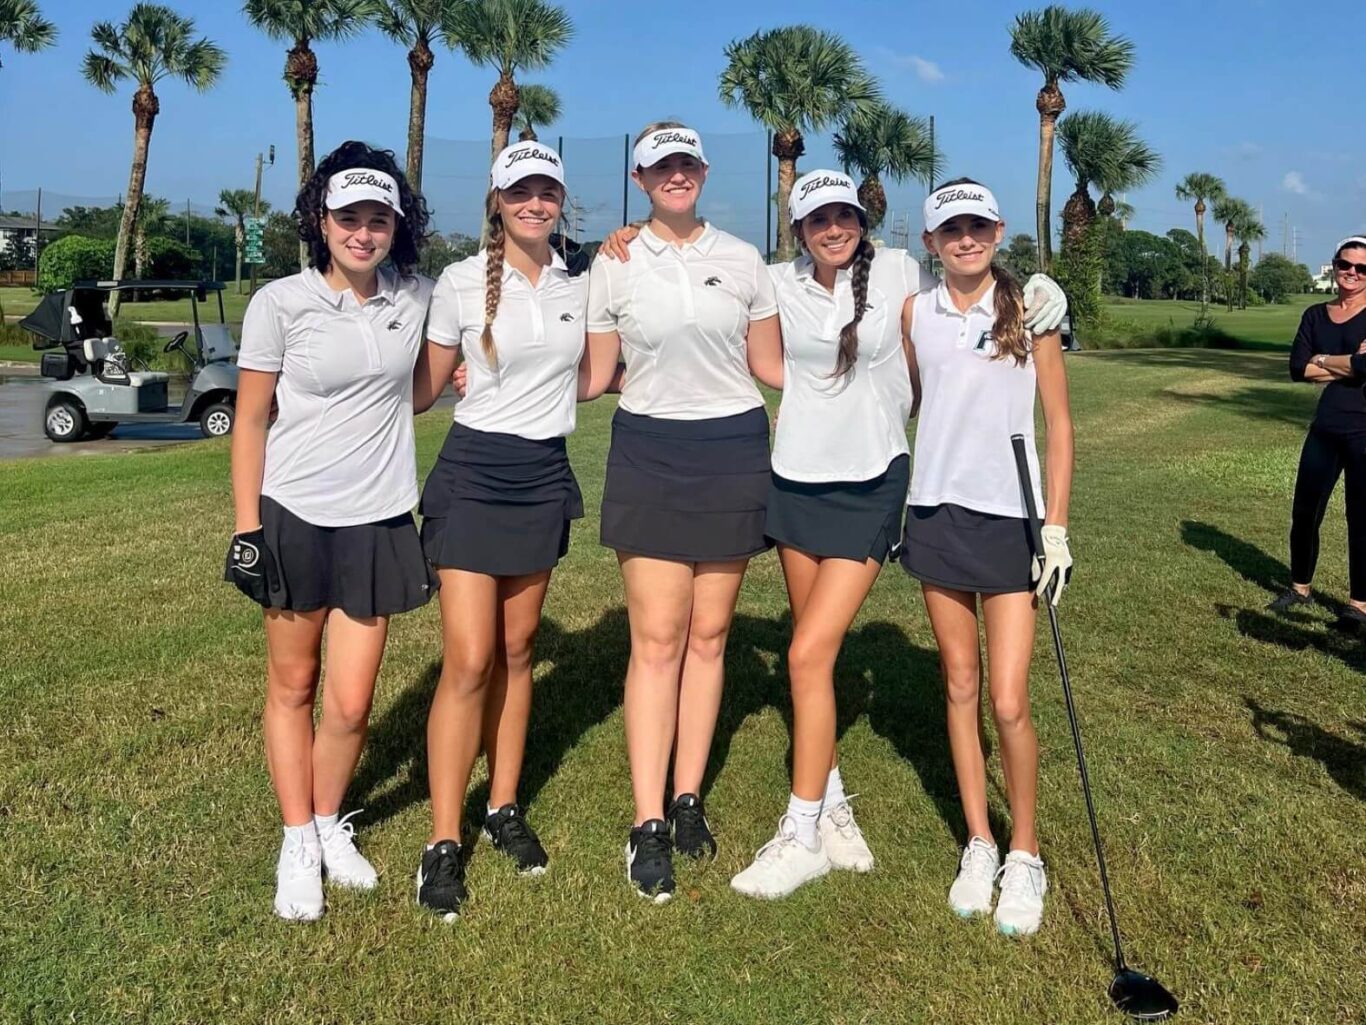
(693,313)
(324,536)
(497,506)
(966,533)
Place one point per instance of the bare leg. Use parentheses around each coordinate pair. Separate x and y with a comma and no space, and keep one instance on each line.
(355,648)
(293,659)
(469,627)
(799,574)
(508,708)
(716,585)
(1010,645)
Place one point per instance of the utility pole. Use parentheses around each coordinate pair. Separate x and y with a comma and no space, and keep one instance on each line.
(37,235)
(256,209)
(1285,235)
(931,152)
(187,221)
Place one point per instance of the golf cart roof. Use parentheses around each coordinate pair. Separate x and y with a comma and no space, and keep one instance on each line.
(158,284)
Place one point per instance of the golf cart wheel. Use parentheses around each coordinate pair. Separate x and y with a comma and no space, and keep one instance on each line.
(216,420)
(100,430)
(64,421)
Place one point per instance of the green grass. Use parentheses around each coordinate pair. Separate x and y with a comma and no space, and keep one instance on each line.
(1256,327)
(1228,755)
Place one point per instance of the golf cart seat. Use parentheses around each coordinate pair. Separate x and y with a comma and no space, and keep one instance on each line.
(99,351)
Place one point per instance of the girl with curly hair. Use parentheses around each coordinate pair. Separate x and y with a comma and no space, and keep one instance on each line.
(324,538)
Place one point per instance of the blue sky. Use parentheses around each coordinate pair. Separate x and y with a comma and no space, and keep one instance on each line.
(1257,92)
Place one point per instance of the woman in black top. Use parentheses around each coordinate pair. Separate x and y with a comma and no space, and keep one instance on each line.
(1330,349)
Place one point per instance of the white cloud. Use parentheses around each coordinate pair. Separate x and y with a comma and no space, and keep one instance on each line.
(1294,182)
(925,70)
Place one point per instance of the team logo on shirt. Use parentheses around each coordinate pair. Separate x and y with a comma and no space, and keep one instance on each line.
(986,342)
(713,280)
(395,324)
(567,317)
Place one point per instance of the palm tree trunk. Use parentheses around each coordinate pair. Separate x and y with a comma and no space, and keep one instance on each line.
(503,100)
(145,109)
(1050,105)
(420,61)
(1228,246)
(1204,260)
(239,238)
(787,147)
(301,74)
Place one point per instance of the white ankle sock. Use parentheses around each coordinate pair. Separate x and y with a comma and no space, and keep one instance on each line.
(834,788)
(325,821)
(305,834)
(805,814)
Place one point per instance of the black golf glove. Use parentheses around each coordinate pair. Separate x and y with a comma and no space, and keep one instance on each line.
(251,566)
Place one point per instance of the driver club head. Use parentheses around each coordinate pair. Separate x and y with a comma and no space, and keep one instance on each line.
(1141,996)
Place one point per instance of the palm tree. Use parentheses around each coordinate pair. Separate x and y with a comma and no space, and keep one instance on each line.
(239,204)
(1231,211)
(417,24)
(23,26)
(1248,230)
(152,214)
(796,80)
(301,23)
(1124,213)
(512,36)
(887,142)
(1201,186)
(154,43)
(537,105)
(1133,164)
(1067,46)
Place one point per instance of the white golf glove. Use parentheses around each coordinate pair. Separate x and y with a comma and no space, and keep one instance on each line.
(1044,304)
(1056,563)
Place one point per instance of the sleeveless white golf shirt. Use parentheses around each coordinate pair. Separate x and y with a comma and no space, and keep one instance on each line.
(970,406)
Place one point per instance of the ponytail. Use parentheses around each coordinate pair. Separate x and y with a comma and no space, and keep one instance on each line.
(1012,340)
(493,276)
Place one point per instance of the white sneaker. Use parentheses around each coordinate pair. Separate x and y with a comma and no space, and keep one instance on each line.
(1023,884)
(782,865)
(299,882)
(843,840)
(343,864)
(970,893)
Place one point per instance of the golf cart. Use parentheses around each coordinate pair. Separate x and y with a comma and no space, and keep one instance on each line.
(95,389)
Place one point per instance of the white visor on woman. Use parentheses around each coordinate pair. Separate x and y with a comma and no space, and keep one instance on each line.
(522,160)
(950,201)
(653,148)
(815,189)
(358,184)
(1351,240)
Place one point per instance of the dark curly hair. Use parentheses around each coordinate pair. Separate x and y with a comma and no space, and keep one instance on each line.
(410,233)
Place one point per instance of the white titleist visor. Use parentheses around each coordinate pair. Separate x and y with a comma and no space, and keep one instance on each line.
(817,188)
(359,184)
(522,160)
(955,200)
(1351,240)
(654,147)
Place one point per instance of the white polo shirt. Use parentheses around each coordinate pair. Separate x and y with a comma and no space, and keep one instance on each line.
(970,406)
(848,428)
(538,334)
(682,313)
(341,451)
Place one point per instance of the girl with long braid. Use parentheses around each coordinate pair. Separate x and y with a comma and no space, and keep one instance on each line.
(497,506)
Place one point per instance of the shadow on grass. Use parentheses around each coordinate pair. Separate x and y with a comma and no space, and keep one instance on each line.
(582,688)
(1243,557)
(1256,402)
(1225,361)
(1343,760)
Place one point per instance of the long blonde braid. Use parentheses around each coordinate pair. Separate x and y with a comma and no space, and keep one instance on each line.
(493,275)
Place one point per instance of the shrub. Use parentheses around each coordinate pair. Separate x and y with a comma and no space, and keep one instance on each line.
(171,260)
(1118,333)
(143,344)
(73,258)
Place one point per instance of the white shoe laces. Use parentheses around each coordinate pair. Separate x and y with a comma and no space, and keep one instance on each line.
(301,857)
(784,838)
(342,834)
(979,861)
(1021,879)
(842,818)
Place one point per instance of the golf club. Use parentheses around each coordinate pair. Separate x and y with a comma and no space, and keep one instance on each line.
(1137,995)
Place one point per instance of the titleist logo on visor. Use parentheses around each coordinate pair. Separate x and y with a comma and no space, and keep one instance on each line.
(663,138)
(365,178)
(517,156)
(959,195)
(825,182)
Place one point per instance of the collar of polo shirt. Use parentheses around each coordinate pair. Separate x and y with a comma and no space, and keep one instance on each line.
(509,271)
(387,280)
(702,244)
(804,267)
(986,304)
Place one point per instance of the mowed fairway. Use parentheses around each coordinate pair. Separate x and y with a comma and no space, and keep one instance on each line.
(1228,755)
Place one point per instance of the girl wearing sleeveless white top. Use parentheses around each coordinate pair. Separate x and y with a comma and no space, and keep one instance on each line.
(967,533)
(693,313)
(498,503)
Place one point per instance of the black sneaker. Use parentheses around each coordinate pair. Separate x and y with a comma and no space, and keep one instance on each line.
(649,860)
(508,831)
(441,879)
(692,835)
(1289,599)
(1350,619)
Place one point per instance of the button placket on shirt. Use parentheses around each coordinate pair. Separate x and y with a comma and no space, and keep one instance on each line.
(365,316)
(685,285)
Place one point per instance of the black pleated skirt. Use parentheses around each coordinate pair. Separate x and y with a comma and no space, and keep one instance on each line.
(371,569)
(687,490)
(857,520)
(498,503)
(964,550)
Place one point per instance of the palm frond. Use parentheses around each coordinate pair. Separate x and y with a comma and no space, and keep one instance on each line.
(295,20)
(537,105)
(1071,44)
(510,34)
(24,27)
(1199,186)
(887,143)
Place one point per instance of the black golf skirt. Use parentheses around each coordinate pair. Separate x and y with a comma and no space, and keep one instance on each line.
(964,550)
(499,504)
(687,490)
(857,520)
(371,569)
